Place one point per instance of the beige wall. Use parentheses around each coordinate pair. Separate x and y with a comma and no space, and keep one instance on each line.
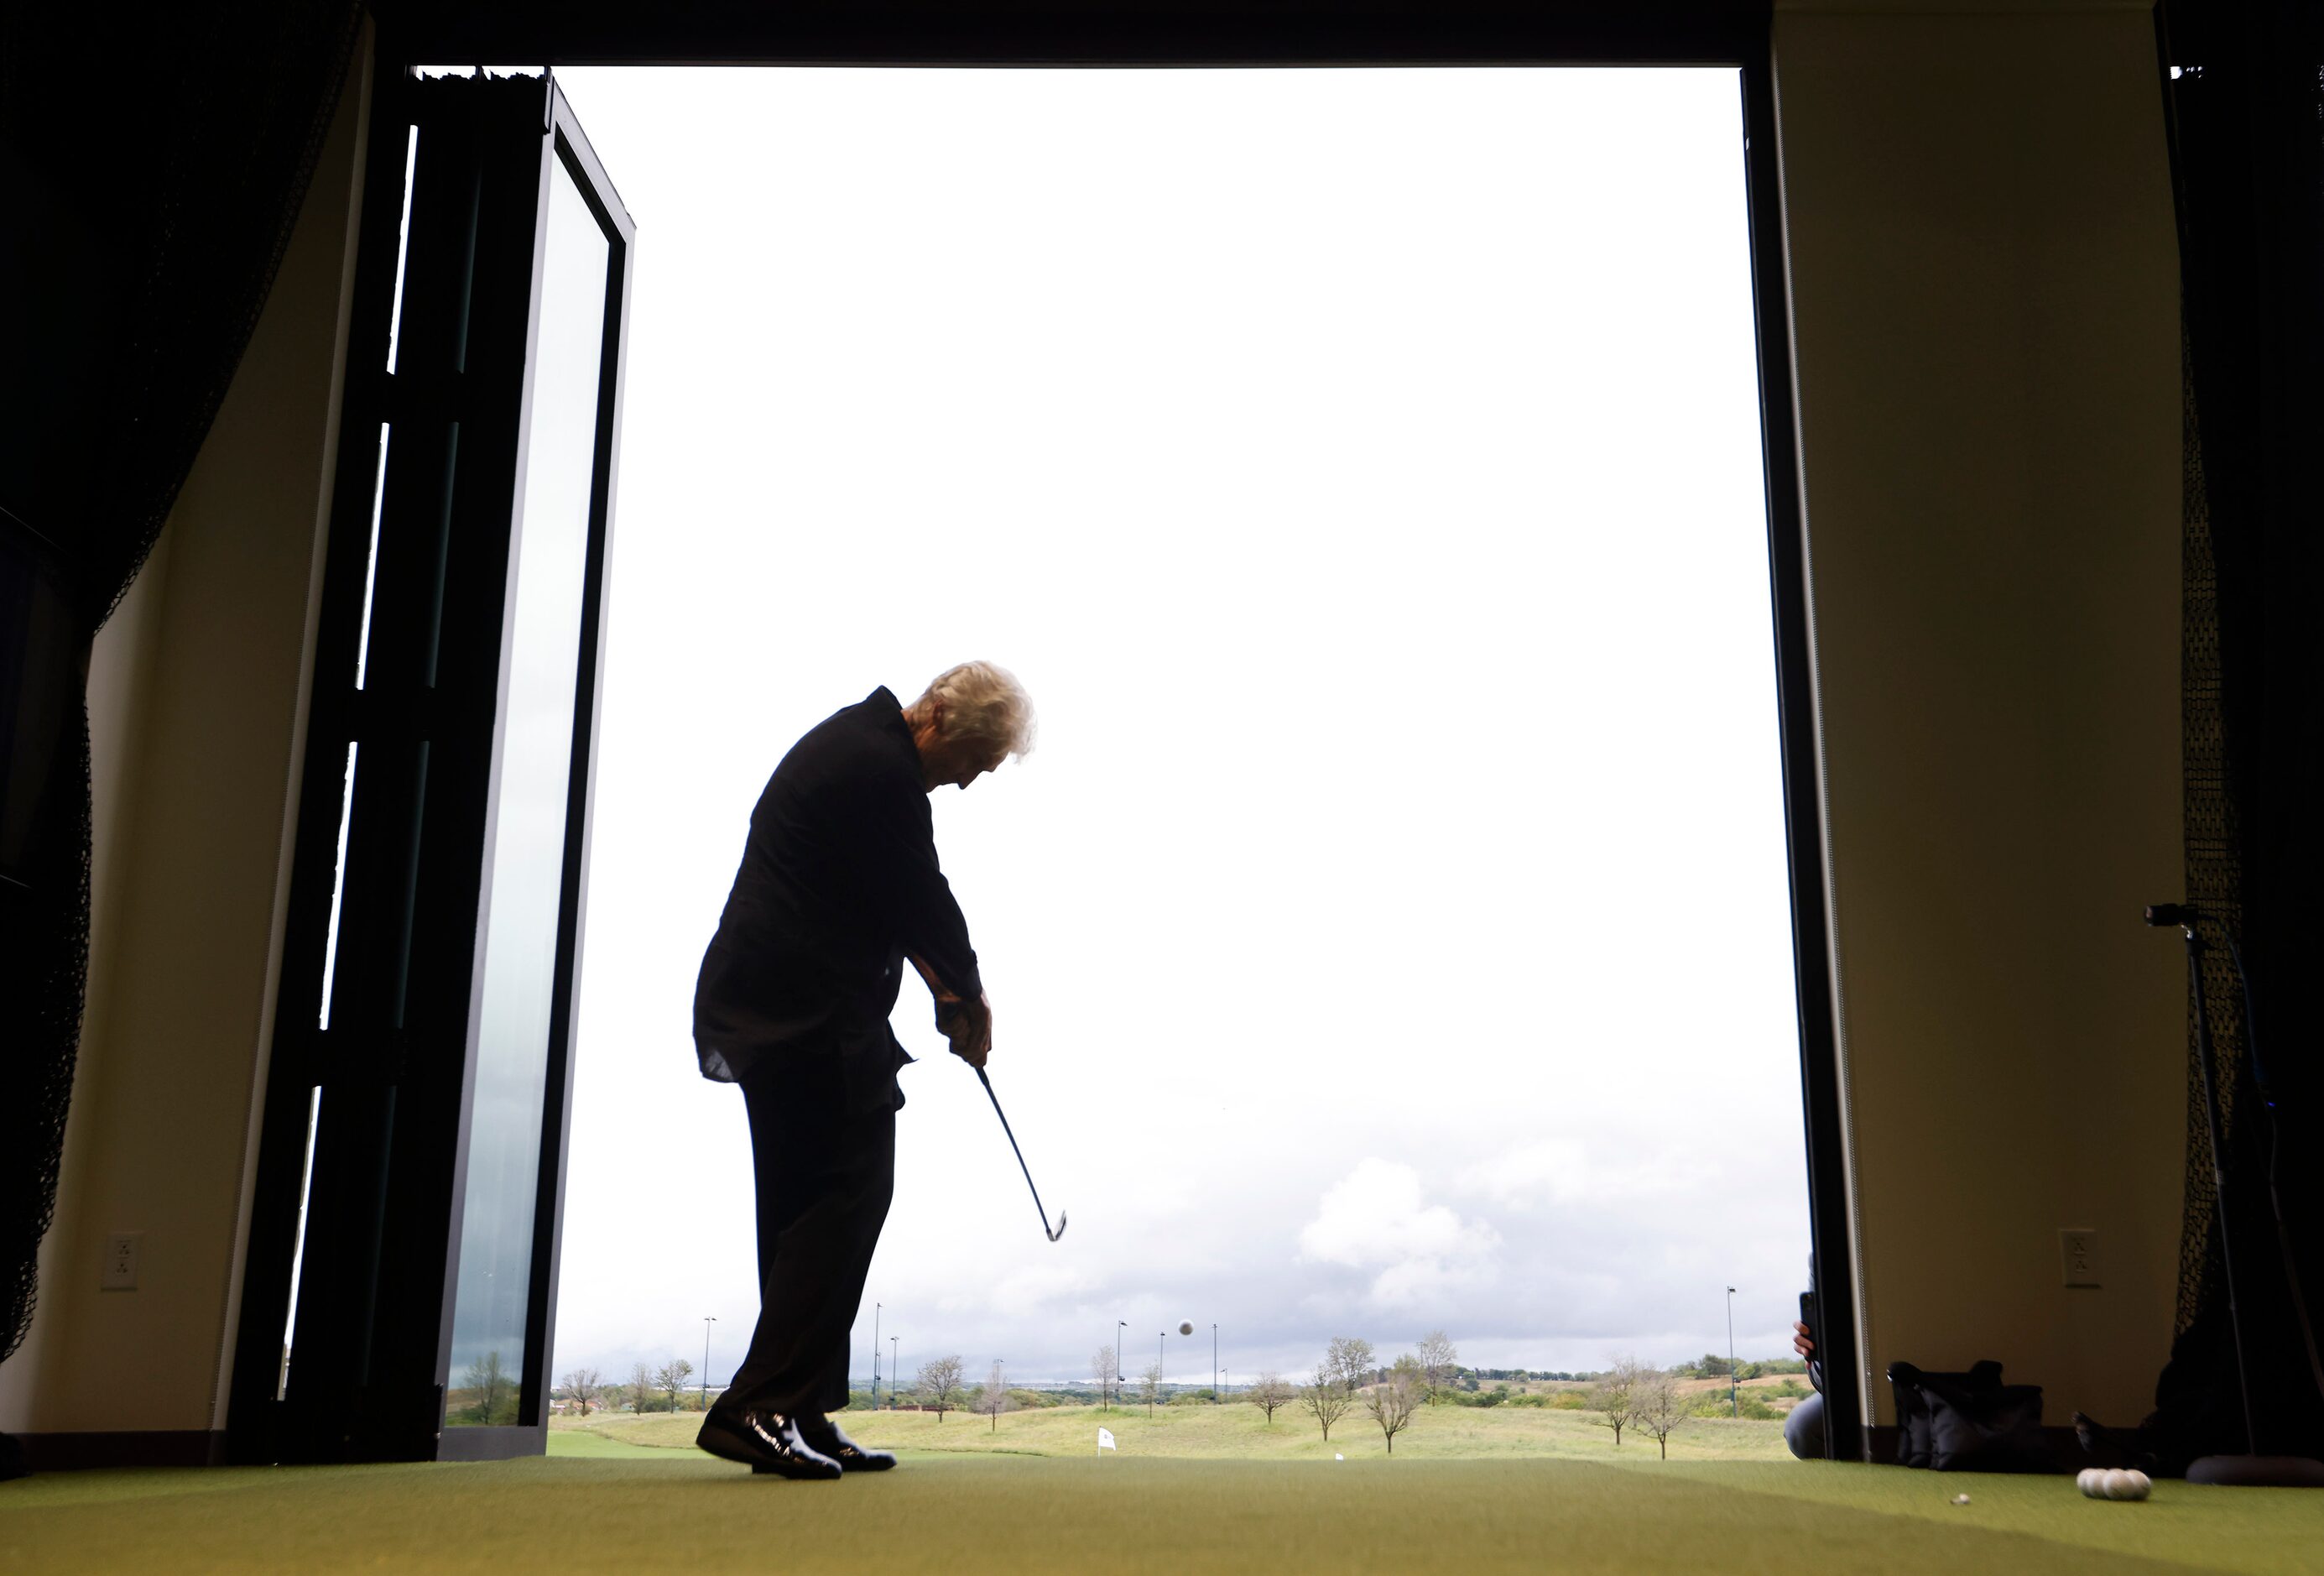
(196,698)
(1985,321)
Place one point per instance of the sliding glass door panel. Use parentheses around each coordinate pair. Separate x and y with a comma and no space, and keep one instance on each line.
(524,880)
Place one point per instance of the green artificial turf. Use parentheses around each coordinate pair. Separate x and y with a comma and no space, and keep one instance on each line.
(1029,1515)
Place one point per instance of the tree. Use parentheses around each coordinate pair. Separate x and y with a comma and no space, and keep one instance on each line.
(1149,1386)
(993,1399)
(1104,1364)
(672,1378)
(581,1385)
(1656,1408)
(1327,1400)
(492,1387)
(940,1384)
(1711,1366)
(1391,1401)
(1616,1398)
(1271,1392)
(1351,1362)
(1438,1358)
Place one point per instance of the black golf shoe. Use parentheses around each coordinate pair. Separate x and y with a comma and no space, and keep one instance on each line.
(765,1442)
(821,1435)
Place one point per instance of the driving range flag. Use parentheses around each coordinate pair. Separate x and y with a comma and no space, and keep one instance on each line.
(1105,1439)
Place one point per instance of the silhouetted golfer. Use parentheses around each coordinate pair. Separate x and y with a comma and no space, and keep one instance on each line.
(839,887)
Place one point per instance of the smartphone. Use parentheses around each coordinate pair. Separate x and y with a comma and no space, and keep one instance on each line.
(1808,1318)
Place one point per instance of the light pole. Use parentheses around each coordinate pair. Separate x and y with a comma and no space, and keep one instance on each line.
(893,1369)
(1120,1325)
(1214,1365)
(1159,1340)
(1734,1407)
(875,1352)
(707,1320)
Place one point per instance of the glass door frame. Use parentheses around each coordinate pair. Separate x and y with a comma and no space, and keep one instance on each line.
(360,1183)
(563,145)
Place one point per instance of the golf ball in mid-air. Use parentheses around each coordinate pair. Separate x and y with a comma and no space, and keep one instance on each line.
(1185,1327)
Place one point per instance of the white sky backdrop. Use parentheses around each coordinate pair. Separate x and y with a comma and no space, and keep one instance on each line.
(1363,470)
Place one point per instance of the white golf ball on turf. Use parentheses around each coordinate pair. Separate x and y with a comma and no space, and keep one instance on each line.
(1185,1327)
(2112,1483)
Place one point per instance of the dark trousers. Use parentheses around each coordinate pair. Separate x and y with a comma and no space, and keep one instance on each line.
(1803,1428)
(824,1175)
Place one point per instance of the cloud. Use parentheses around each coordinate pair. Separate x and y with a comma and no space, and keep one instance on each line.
(1375,1218)
(1553,1171)
(1556,1170)
(1033,1290)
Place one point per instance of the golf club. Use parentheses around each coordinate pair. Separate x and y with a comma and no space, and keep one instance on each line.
(1027,1170)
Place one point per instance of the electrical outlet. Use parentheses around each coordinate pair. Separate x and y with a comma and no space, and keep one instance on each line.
(2078,1251)
(120,1262)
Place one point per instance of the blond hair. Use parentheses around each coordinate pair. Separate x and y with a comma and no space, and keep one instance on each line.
(983,701)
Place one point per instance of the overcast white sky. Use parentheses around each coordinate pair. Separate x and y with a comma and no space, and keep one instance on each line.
(1363,470)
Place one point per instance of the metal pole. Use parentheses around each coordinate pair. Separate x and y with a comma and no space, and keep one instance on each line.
(894,1368)
(707,1320)
(1214,1363)
(2218,1178)
(875,1352)
(1734,1407)
(1159,1339)
(1120,1325)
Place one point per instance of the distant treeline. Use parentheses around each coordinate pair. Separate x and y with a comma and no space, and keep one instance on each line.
(491,1391)
(1712,1366)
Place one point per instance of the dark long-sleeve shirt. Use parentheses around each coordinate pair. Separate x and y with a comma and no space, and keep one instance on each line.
(839,883)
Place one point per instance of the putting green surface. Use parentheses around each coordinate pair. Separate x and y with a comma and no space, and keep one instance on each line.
(1025,1514)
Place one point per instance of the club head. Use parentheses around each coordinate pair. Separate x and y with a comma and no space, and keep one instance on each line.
(1060,1231)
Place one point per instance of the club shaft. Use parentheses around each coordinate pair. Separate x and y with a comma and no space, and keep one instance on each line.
(1014,1150)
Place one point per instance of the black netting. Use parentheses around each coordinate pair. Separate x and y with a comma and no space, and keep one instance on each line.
(2214,860)
(2244,89)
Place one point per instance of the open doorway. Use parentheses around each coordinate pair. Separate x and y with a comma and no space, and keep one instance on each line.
(1364,470)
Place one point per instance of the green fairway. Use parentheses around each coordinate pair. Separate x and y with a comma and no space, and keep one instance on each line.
(1235,1433)
(1028,1516)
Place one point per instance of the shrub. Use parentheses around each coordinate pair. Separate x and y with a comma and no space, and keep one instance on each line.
(1483,1398)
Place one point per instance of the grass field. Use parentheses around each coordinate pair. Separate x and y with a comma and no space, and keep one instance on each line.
(1227,1431)
(942,1514)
